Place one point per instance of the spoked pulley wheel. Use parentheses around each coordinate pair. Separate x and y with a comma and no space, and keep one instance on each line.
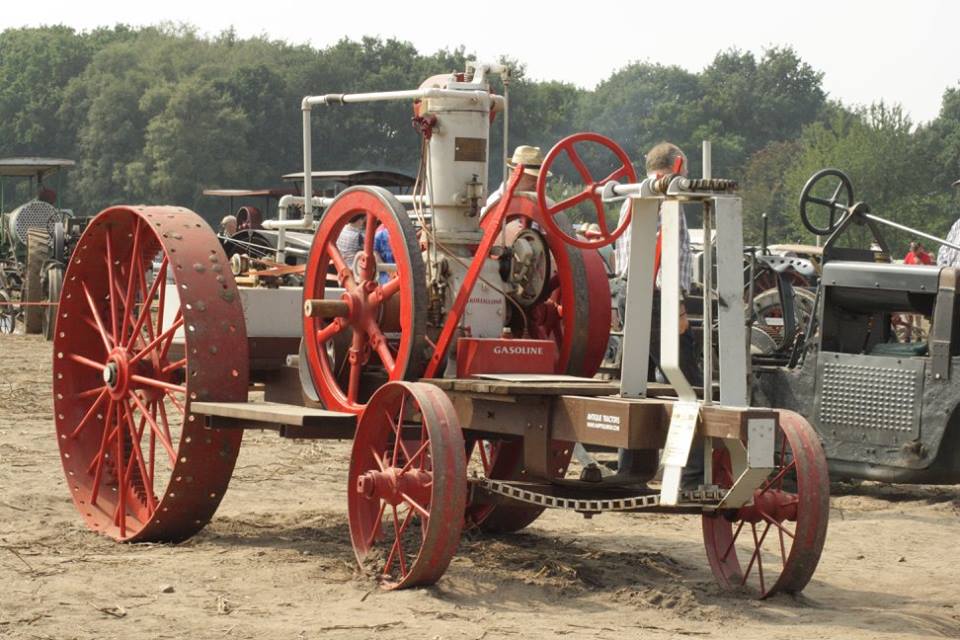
(407,487)
(773,545)
(383,307)
(149,321)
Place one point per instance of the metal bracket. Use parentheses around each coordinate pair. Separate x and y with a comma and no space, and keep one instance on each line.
(941,334)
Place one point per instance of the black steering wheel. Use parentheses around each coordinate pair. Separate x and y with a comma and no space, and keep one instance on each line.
(839,203)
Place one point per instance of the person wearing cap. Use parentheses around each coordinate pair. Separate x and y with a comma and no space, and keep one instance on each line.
(531,158)
(948,256)
(228,226)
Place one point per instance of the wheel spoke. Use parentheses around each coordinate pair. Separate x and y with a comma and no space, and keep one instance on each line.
(344,272)
(416,455)
(376,457)
(353,387)
(176,403)
(572,201)
(772,521)
(107,339)
(134,264)
(173,366)
(157,384)
(398,435)
(578,163)
(381,346)
(164,420)
(138,454)
(328,332)
(616,175)
(169,333)
(416,506)
(99,458)
(89,392)
(93,364)
(90,413)
(484,459)
(733,541)
(120,515)
(601,216)
(385,291)
(113,300)
(164,441)
(779,477)
(144,316)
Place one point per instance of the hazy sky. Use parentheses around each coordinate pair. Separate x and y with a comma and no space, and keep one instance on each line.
(895,51)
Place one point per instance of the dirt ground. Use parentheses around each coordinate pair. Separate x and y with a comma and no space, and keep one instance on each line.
(276,561)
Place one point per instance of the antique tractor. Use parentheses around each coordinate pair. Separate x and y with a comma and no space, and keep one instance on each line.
(457,350)
(35,242)
(884,404)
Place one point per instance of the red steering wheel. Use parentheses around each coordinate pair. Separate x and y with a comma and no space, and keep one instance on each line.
(590,192)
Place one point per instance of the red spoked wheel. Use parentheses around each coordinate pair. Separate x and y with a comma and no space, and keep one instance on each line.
(774,544)
(408,486)
(590,192)
(149,321)
(575,309)
(503,460)
(386,319)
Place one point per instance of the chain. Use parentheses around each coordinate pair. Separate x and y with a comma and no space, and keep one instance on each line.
(709,495)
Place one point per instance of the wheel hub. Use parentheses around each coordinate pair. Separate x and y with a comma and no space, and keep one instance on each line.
(393,483)
(116,373)
(772,503)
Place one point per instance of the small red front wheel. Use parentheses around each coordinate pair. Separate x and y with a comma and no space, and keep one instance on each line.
(774,544)
(591,191)
(407,486)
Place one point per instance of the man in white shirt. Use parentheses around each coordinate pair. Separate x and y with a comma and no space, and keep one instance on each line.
(948,256)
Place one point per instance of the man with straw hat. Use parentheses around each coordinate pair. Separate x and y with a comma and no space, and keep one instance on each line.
(531,158)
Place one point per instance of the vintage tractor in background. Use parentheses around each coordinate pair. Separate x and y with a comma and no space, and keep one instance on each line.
(36,238)
(455,343)
(885,405)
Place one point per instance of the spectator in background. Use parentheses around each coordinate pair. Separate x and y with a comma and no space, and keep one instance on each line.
(228,226)
(350,240)
(917,255)
(381,247)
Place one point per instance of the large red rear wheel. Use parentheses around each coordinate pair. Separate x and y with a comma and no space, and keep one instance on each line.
(407,487)
(387,319)
(774,544)
(149,321)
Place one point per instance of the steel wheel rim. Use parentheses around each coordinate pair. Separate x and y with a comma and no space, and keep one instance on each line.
(798,548)
(123,384)
(418,487)
(367,299)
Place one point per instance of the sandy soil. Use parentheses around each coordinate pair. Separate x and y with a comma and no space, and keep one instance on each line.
(276,561)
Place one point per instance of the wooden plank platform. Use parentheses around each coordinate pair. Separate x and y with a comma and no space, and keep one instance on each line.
(292,421)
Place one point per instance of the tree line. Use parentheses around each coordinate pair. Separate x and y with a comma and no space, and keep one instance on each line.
(157,114)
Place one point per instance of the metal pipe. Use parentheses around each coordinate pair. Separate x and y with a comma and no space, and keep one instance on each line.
(901,227)
(413,94)
(707,281)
